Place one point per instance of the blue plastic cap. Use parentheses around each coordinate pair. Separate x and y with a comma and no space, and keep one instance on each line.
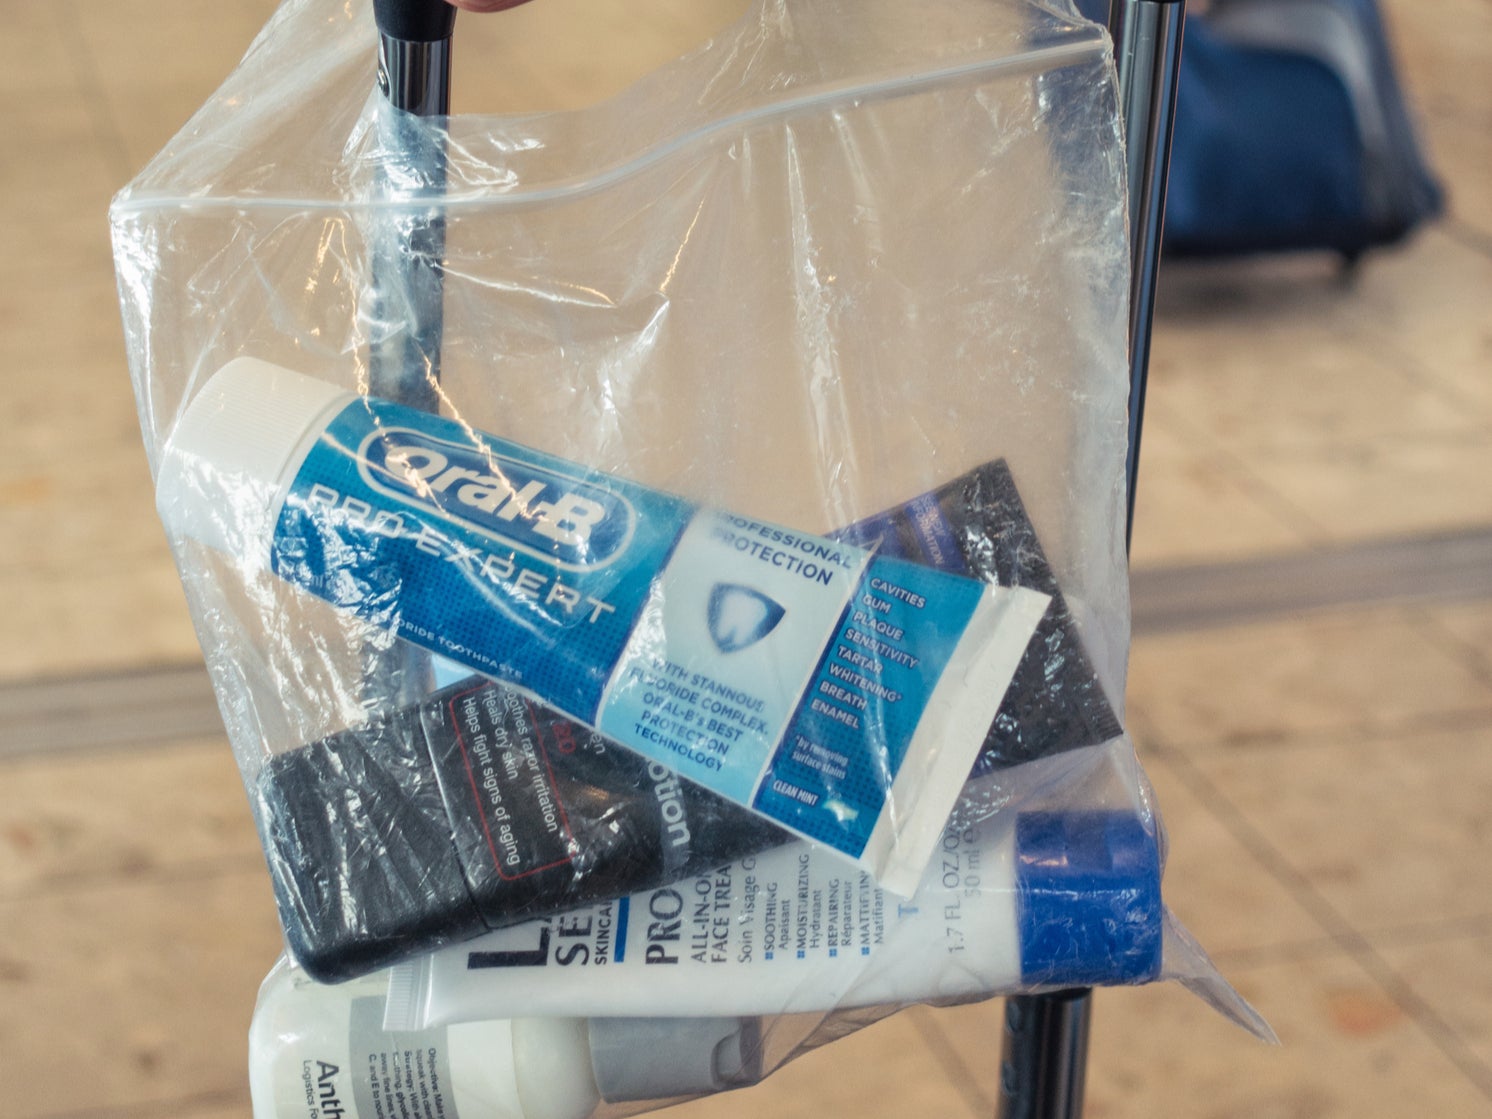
(1089,899)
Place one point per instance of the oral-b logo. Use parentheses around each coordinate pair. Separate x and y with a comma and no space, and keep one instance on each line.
(563,519)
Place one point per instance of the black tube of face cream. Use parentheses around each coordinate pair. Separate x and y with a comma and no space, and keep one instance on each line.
(977,525)
(475,809)
(480,808)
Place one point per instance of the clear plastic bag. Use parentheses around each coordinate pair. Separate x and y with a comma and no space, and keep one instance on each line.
(856,271)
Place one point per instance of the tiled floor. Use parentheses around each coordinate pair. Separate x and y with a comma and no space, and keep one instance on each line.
(1326,777)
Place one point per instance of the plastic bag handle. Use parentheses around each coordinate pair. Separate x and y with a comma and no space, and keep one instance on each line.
(415,21)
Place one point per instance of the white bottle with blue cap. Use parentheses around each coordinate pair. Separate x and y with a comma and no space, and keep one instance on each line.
(1024,901)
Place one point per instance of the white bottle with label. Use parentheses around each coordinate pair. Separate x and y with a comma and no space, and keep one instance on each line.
(321,1052)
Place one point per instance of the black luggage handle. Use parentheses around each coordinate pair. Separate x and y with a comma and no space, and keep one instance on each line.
(415,21)
(1043,1063)
(407,261)
(408,251)
(414,54)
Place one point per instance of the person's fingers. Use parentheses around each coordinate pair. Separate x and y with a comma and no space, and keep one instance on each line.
(486,5)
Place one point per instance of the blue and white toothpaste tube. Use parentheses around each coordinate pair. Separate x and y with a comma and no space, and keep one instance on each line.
(838,693)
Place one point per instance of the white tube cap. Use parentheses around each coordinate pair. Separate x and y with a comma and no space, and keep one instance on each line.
(230,457)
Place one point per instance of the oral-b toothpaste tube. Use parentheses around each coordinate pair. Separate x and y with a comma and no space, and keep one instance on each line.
(505,811)
(835,692)
(1023,902)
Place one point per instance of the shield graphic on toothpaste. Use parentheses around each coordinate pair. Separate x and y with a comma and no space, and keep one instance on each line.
(740,616)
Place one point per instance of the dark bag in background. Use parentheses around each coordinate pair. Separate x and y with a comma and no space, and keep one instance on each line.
(1292,133)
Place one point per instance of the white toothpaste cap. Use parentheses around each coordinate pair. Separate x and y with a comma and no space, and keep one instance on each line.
(226,464)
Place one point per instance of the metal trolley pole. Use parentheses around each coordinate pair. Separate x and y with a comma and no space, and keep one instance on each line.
(407,245)
(1147,51)
(1044,1059)
(408,253)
